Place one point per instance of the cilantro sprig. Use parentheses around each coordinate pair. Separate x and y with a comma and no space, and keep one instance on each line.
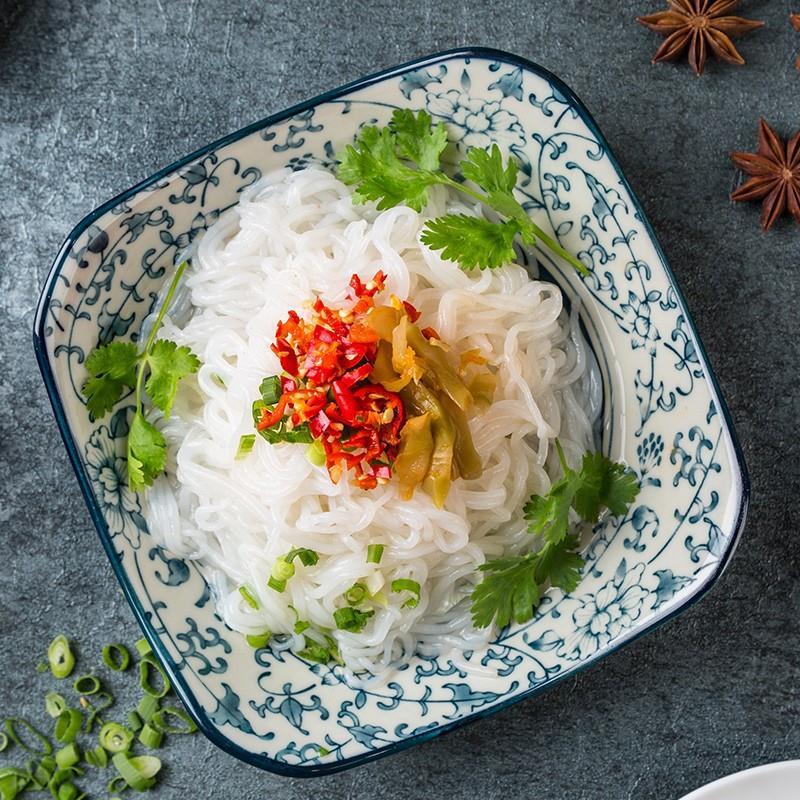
(398,163)
(156,370)
(511,588)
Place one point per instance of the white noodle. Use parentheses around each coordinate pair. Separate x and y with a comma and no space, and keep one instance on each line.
(293,236)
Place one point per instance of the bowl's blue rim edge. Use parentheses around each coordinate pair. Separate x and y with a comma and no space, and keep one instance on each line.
(210,730)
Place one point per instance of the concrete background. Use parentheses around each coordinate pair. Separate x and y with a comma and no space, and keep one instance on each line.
(94,96)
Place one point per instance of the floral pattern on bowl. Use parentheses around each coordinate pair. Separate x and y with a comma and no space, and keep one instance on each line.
(662,414)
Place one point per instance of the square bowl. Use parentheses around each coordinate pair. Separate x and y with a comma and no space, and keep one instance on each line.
(663,415)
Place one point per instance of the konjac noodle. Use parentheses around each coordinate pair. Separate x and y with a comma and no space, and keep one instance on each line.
(297,238)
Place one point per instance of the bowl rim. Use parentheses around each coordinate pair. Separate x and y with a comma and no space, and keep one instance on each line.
(193,706)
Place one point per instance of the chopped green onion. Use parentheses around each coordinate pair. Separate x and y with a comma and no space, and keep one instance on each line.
(86,684)
(116,657)
(48,763)
(12,782)
(351,619)
(3,741)
(60,657)
(375,553)
(270,390)
(355,594)
(301,625)
(97,757)
(407,585)
(147,670)
(115,738)
(257,640)
(150,737)
(282,570)
(39,775)
(246,445)
(134,721)
(143,647)
(307,557)
(315,453)
(249,597)
(117,784)
(160,722)
(68,756)
(11,727)
(54,704)
(316,653)
(323,751)
(139,772)
(148,706)
(68,724)
(106,702)
(69,791)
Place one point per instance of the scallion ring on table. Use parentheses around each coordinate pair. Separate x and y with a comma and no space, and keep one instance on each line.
(60,657)
(139,772)
(13,723)
(39,774)
(143,647)
(97,757)
(68,756)
(151,737)
(86,685)
(117,784)
(115,738)
(54,704)
(147,670)
(3,741)
(148,706)
(106,701)
(160,722)
(117,657)
(12,782)
(67,725)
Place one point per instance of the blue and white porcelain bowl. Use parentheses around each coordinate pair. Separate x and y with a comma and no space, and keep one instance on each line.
(663,414)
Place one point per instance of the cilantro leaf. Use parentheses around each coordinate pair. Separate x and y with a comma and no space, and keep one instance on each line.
(417,139)
(147,452)
(373,166)
(168,364)
(560,564)
(486,169)
(471,241)
(111,368)
(508,591)
(603,483)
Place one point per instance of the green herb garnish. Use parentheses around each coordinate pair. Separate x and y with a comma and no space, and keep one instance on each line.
(512,586)
(351,619)
(113,367)
(398,163)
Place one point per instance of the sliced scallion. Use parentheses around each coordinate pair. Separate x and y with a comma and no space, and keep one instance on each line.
(139,772)
(270,389)
(356,594)
(12,782)
(68,756)
(161,723)
(249,597)
(315,652)
(102,701)
(407,585)
(257,640)
(97,757)
(68,724)
(87,685)
(115,738)
(148,706)
(3,741)
(116,657)
(246,444)
(282,570)
(60,657)
(375,553)
(351,619)
(143,647)
(54,704)
(117,784)
(150,737)
(301,625)
(38,774)
(69,791)
(13,727)
(147,671)
(307,557)
(134,721)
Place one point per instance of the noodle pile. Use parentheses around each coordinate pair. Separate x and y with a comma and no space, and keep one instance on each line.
(293,236)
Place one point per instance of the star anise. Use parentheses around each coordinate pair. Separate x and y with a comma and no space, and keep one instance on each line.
(700,25)
(775,167)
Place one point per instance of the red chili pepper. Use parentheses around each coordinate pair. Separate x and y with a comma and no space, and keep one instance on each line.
(412,312)
(354,376)
(270,418)
(345,400)
(430,333)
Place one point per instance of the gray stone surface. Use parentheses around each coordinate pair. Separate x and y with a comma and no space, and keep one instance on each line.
(95,96)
